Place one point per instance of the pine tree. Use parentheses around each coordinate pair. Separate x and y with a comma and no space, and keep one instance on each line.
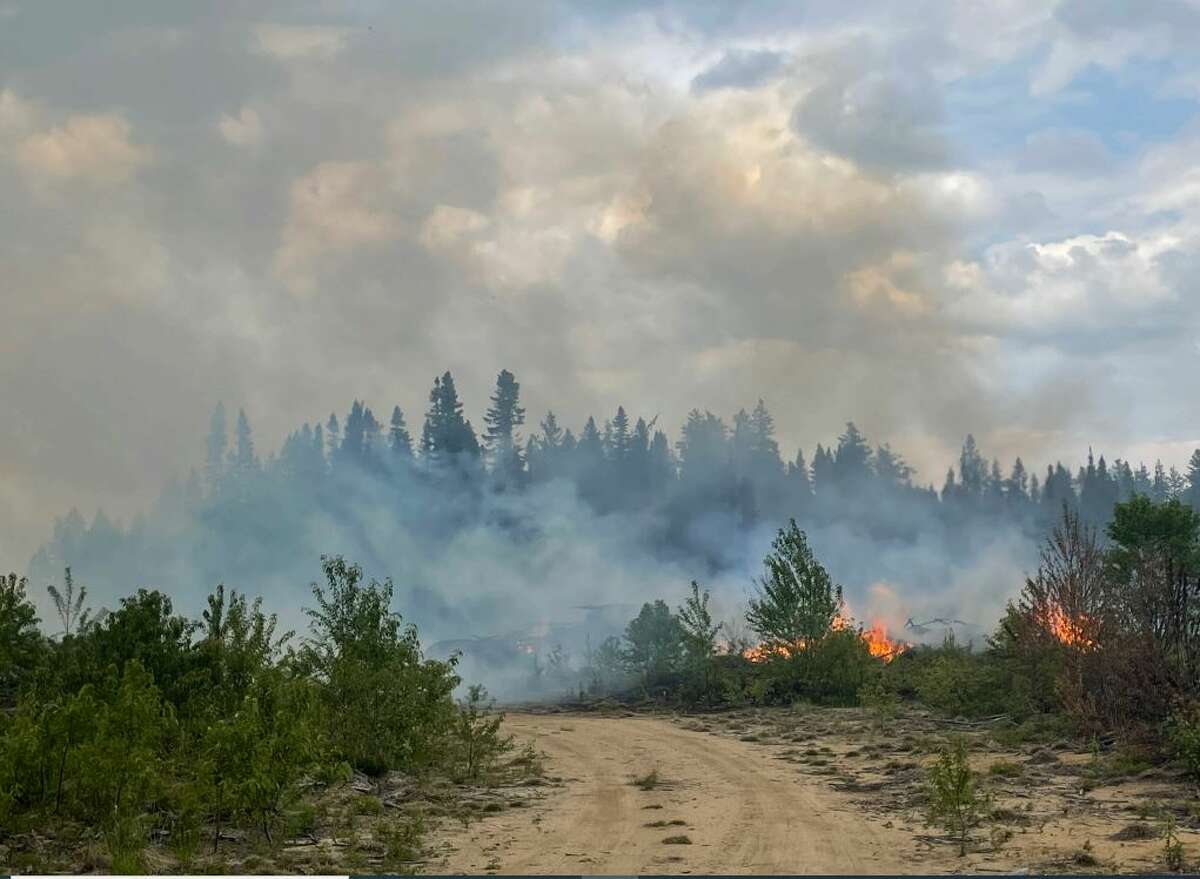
(333,435)
(500,438)
(801,480)
(1159,492)
(703,448)
(619,440)
(890,468)
(447,437)
(972,472)
(215,447)
(852,460)
(1193,480)
(822,473)
(399,440)
(244,461)
(1016,488)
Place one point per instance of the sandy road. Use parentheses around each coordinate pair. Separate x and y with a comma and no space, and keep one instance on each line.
(743,811)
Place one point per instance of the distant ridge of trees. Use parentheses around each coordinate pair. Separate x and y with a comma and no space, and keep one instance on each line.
(244,508)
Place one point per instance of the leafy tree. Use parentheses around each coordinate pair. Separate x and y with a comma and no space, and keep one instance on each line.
(146,630)
(384,705)
(477,735)
(20,642)
(121,765)
(654,642)
(796,601)
(699,640)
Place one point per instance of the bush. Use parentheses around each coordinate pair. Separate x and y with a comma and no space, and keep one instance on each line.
(1183,734)
(880,701)
(477,738)
(960,682)
(385,707)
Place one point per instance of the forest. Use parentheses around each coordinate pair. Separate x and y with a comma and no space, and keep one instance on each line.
(514,524)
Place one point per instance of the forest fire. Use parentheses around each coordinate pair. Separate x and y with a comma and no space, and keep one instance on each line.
(1067,630)
(875,637)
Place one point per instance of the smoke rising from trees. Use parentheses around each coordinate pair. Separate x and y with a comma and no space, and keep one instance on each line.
(551,537)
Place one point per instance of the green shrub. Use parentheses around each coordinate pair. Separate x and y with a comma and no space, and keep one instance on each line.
(1183,734)
(952,797)
(880,701)
(477,738)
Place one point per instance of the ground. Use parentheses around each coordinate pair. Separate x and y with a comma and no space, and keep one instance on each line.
(811,791)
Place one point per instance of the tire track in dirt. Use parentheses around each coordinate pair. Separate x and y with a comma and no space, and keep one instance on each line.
(744,811)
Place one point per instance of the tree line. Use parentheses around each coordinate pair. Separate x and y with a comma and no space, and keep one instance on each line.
(243,510)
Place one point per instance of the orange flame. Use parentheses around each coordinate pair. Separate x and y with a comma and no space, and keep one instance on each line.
(878,643)
(1067,630)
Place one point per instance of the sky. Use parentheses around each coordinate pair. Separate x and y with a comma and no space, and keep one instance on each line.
(930,218)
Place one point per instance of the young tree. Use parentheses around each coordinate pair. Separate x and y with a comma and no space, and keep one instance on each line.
(69,604)
(796,601)
(699,639)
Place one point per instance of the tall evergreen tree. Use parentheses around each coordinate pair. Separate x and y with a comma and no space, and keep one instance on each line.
(852,460)
(822,473)
(399,440)
(501,420)
(1193,480)
(447,439)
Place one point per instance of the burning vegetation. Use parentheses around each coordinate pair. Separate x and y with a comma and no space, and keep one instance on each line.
(875,637)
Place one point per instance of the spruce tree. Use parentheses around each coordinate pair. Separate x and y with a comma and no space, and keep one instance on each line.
(399,440)
(501,420)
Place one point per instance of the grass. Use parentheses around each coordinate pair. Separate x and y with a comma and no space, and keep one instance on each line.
(1006,769)
(674,823)
(677,840)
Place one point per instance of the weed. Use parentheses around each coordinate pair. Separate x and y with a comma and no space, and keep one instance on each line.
(678,840)
(1006,769)
(1172,847)
(649,781)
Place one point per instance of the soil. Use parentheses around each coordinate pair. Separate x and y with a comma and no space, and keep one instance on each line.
(810,791)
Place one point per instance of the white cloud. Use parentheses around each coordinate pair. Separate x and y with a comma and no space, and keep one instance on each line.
(94,147)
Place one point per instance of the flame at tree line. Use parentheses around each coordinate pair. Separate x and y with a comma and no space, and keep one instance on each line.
(875,637)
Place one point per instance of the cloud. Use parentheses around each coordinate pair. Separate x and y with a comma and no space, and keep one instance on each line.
(244,130)
(874,109)
(94,148)
(660,205)
(334,210)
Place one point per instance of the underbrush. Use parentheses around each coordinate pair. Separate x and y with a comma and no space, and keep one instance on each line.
(149,742)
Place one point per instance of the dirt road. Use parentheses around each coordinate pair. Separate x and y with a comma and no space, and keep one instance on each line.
(742,811)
